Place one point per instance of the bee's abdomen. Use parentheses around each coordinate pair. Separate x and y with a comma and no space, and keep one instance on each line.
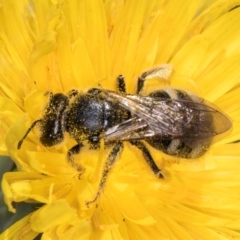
(180,147)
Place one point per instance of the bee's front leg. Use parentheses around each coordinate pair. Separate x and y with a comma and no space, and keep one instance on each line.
(70,157)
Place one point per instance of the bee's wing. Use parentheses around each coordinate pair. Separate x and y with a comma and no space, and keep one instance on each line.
(171,119)
(134,128)
(209,122)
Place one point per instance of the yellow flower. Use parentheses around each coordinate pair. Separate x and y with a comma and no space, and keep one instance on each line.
(60,45)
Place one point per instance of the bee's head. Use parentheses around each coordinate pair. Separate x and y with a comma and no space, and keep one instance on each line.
(50,130)
(51,126)
(57,103)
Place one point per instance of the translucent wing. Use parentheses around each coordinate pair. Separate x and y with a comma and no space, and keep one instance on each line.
(134,128)
(168,118)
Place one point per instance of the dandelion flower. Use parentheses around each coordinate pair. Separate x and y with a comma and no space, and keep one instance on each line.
(60,45)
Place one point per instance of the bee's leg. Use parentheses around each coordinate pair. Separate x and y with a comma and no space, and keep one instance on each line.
(161,72)
(72,93)
(94,141)
(121,86)
(147,156)
(70,157)
(116,150)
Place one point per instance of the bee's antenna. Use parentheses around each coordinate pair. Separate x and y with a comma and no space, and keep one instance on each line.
(28,131)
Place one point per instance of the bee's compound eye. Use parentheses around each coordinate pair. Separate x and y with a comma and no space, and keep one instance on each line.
(49,139)
(51,131)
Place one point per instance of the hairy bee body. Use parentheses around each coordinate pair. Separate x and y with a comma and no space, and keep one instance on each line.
(102,114)
(90,115)
(173,121)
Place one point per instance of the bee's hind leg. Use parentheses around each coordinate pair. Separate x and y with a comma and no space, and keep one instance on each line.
(161,72)
(147,156)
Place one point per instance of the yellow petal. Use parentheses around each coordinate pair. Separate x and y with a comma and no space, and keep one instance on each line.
(92,14)
(52,215)
(208,233)
(83,68)
(9,114)
(12,185)
(208,17)
(214,83)
(14,135)
(134,210)
(124,39)
(47,41)
(51,164)
(19,230)
(188,59)
(38,100)
(81,230)
(176,16)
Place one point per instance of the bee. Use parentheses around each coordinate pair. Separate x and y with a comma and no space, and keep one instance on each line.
(171,120)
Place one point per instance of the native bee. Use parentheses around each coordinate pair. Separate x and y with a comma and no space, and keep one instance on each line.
(171,120)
